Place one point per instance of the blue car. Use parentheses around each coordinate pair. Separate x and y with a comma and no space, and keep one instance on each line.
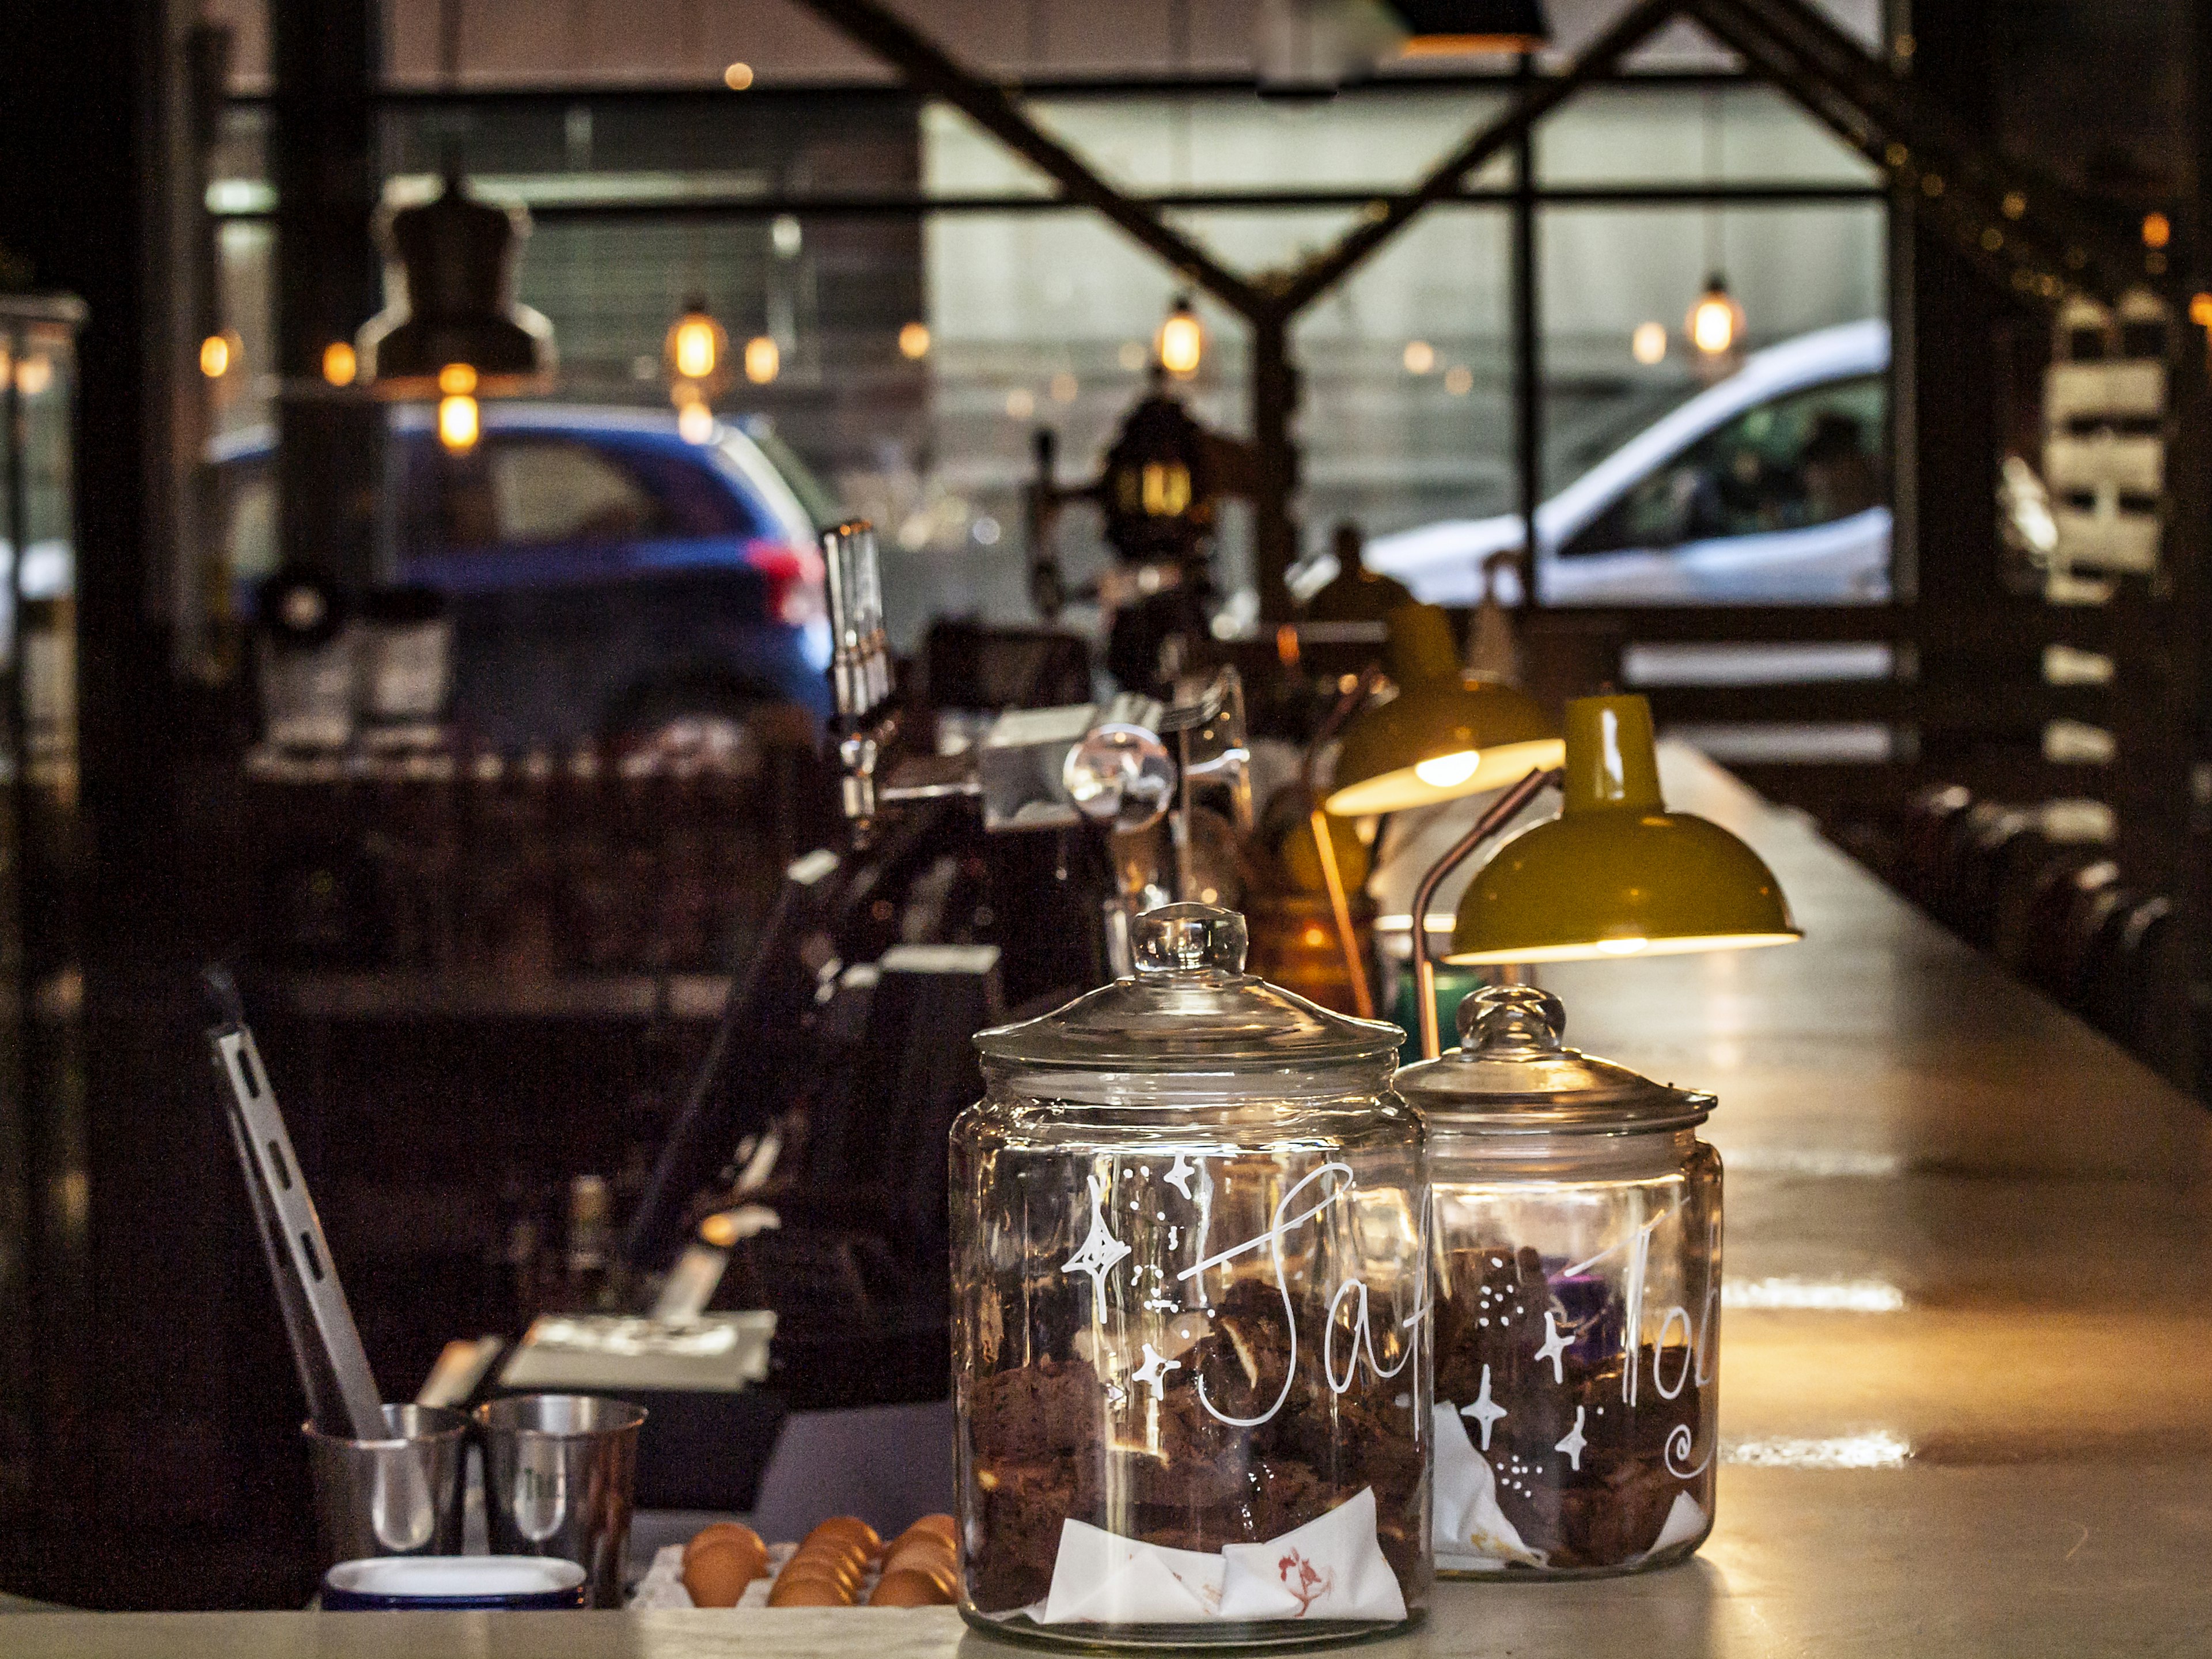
(607,579)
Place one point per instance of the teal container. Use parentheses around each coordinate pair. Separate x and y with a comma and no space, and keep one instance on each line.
(1452,984)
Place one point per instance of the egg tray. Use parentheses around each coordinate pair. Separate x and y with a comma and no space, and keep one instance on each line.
(662,1587)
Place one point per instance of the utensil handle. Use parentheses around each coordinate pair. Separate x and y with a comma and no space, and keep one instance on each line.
(283,1190)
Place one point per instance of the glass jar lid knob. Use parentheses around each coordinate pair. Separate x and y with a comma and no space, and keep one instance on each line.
(1187,939)
(1511,1019)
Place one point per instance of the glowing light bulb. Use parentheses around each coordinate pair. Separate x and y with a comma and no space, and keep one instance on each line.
(2157,230)
(457,380)
(737,76)
(340,364)
(1622,947)
(763,360)
(1420,356)
(1648,345)
(1181,342)
(1715,320)
(457,421)
(695,350)
(214,356)
(1449,771)
(913,341)
(694,424)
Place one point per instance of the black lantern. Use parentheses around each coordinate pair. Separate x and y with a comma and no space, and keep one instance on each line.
(1158,491)
(449,282)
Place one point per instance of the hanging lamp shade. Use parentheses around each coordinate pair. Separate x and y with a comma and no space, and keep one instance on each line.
(449,293)
(1616,874)
(1446,734)
(1445,27)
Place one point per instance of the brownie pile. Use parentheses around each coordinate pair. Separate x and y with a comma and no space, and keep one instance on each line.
(1050,1445)
(1606,1512)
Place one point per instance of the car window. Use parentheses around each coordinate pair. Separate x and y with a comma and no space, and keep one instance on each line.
(248,505)
(1809,458)
(557,490)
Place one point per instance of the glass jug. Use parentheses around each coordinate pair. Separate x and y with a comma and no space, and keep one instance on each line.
(1190,1264)
(1577,1224)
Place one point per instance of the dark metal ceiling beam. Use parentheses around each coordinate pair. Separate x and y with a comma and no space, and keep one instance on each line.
(2040,248)
(1391,216)
(929,70)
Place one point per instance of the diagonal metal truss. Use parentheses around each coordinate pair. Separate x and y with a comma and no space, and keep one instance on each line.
(2016,225)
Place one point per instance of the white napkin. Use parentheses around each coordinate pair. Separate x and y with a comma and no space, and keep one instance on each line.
(1099,1576)
(1471,1530)
(1685,1520)
(1330,1568)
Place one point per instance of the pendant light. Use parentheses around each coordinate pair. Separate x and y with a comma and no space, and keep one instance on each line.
(1180,344)
(1715,322)
(698,355)
(1449,27)
(449,288)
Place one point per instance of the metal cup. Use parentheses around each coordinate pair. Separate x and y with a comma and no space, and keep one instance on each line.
(397,1496)
(560,1473)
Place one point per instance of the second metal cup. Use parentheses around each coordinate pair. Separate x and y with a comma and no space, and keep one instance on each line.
(560,1477)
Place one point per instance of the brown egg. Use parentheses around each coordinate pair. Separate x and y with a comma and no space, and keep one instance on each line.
(909,1590)
(942,1525)
(843,1569)
(805,1591)
(848,1528)
(834,1549)
(924,1552)
(726,1529)
(718,1572)
(828,1572)
(943,1574)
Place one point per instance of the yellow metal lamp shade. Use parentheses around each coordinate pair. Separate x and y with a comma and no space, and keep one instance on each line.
(1616,874)
(1445,735)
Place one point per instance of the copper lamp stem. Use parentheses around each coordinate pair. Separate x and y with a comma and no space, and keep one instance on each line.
(1340,902)
(1503,810)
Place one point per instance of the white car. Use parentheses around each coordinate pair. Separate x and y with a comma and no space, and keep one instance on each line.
(1770,487)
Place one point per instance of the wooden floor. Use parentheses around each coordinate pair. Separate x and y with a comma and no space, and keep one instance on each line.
(1966,1371)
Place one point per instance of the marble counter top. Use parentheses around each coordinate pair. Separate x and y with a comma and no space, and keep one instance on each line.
(1966,1402)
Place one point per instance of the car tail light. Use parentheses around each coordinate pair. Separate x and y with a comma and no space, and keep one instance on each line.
(795,578)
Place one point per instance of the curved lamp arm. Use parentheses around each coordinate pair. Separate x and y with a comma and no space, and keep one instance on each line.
(1503,812)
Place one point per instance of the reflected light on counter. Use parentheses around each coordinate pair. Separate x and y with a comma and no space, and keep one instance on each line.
(1449,771)
(913,342)
(1648,345)
(1622,947)
(340,364)
(457,422)
(763,360)
(1811,1296)
(694,424)
(1879,1449)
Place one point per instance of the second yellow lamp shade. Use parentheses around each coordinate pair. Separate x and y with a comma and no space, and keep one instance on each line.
(1446,733)
(1615,874)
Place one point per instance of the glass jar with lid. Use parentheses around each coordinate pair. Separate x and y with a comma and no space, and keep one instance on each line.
(1577,1283)
(1190,1267)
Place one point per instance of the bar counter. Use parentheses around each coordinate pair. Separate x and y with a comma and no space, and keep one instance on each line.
(1966,1400)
